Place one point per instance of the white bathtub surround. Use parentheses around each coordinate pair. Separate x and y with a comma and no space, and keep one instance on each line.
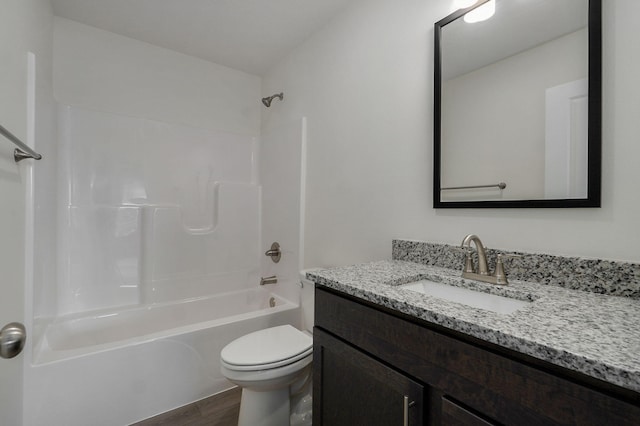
(148,128)
(281,171)
(154,211)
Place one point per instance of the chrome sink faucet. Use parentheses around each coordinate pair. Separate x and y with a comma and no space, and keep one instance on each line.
(483,269)
(498,277)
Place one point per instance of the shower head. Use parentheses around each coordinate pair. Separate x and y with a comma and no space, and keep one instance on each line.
(267,101)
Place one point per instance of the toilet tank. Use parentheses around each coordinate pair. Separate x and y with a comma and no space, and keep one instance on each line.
(307,297)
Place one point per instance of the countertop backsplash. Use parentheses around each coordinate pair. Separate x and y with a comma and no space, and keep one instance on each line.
(598,276)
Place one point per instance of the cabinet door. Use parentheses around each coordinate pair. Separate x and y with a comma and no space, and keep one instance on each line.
(351,388)
(454,414)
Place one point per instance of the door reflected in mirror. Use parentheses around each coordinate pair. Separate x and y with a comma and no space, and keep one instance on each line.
(517,105)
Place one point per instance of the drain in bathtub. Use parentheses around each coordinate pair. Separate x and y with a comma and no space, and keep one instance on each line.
(272,302)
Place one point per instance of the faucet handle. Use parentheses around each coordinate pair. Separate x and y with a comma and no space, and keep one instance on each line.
(468,261)
(501,276)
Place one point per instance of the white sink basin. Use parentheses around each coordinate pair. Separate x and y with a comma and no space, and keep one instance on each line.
(476,299)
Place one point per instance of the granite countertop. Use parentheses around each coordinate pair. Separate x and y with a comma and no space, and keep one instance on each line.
(594,334)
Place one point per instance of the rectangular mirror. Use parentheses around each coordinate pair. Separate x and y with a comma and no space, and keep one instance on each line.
(517,105)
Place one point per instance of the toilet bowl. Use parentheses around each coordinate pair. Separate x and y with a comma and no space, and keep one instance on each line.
(265,364)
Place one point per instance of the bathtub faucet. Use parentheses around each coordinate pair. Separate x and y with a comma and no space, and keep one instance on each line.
(269,280)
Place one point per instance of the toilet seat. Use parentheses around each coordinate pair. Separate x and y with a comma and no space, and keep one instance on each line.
(267,349)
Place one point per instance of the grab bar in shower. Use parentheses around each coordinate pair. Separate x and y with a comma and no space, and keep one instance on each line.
(22,151)
(500,185)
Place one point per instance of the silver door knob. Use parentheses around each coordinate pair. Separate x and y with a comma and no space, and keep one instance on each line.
(12,339)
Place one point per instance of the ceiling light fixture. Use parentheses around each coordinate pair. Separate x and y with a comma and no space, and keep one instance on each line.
(481,13)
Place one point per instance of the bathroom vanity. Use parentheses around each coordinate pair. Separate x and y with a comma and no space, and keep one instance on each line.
(386,355)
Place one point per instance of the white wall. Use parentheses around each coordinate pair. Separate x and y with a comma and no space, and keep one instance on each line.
(100,70)
(365,84)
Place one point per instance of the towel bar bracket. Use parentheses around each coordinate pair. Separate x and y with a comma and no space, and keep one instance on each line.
(19,155)
(22,151)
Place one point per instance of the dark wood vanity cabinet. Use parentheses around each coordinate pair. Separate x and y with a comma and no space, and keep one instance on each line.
(373,366)
(359,390)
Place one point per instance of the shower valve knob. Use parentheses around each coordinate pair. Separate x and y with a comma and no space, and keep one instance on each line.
(274,253)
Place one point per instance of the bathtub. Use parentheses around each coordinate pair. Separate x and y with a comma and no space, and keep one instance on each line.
(119,367)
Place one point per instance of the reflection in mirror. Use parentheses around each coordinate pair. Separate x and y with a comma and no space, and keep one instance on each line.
(517,111)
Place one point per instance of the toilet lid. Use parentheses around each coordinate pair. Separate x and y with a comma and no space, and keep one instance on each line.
(270,347)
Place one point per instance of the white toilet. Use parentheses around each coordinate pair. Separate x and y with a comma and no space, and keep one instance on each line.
(265,364)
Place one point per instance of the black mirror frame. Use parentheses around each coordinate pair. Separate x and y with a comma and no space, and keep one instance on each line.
(594,159)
